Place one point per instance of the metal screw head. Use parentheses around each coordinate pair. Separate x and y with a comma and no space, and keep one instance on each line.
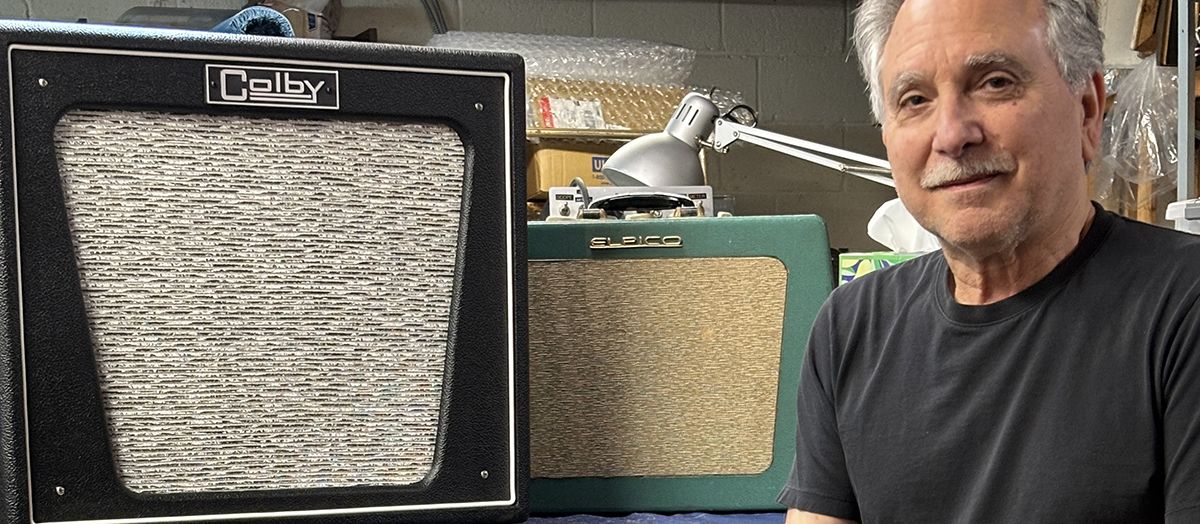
(483,474)
(43,82)
(60,490)
(479,106)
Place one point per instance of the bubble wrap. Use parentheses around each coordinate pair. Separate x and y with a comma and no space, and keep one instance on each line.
(582,58)
(638,107)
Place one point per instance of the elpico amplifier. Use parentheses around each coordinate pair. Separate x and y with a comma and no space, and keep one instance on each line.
(664,357)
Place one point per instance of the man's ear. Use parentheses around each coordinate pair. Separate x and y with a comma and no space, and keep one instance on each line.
(1092,98)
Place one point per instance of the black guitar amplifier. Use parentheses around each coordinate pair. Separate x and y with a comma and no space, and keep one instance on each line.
(259,279)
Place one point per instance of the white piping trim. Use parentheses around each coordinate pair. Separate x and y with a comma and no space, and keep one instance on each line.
(512,373)
(282,514)
(12,121)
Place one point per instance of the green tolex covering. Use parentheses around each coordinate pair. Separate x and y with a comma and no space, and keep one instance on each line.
(664,360)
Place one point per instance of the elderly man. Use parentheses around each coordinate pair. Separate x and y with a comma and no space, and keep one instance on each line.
(1042,367)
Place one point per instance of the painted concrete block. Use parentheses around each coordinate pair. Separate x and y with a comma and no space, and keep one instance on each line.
(750,168)
(405,22)
(812,27)
(865,139)
(845,213)
(550,17)
(733,73)
(811,90)
(689,23)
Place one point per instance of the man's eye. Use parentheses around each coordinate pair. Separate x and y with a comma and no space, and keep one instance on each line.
(912,101)
(998,82)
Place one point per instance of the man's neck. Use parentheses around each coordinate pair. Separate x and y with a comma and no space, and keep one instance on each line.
(986,278)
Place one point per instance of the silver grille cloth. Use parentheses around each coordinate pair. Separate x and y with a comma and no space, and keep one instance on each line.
(268,298)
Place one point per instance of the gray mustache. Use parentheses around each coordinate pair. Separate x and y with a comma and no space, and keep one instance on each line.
(966,169)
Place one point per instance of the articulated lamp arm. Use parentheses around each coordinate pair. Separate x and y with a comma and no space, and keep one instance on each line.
(726,132)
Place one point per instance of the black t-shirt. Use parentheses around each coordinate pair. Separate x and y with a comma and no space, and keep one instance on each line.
(1076,400)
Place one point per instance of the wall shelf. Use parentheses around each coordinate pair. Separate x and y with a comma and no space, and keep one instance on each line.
(584,134)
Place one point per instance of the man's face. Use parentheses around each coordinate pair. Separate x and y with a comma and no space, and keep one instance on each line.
(987,141)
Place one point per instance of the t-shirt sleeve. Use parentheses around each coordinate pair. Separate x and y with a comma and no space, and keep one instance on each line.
(1181,421)
(819,482)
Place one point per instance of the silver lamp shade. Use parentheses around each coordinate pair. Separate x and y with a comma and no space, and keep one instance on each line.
(669,158)
(655,160)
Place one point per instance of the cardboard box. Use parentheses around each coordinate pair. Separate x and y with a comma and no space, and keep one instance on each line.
(555,165)
(854,265)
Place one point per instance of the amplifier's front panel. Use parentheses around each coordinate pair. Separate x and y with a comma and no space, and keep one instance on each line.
(263,311)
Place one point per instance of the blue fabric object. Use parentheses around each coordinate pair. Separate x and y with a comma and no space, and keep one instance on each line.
(651,518)
(257,20)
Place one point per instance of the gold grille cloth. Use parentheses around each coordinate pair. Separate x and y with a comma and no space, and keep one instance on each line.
(654,367)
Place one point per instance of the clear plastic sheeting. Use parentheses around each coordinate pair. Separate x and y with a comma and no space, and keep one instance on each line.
(581,57)
(1140,134)
(595,84)
(589,104)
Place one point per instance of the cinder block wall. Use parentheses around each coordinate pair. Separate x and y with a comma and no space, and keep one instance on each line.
(790,58)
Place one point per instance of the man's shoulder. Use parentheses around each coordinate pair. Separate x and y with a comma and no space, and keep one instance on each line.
(1158,262)
(1157,233)
(1138,244)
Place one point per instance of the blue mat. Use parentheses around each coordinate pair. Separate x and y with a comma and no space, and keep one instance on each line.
(257,20)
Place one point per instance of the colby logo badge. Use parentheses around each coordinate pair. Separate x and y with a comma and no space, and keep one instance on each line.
(271,86)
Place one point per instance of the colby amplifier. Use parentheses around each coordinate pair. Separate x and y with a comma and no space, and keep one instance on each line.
(664,359)
(259,279)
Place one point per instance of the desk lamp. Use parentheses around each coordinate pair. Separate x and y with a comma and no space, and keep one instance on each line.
(670,158)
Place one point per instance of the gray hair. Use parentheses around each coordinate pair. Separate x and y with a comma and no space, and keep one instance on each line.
(1072,33)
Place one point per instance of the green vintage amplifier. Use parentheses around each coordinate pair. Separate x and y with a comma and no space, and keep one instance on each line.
(664,357)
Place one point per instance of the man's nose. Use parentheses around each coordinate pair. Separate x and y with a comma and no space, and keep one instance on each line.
(958,127)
